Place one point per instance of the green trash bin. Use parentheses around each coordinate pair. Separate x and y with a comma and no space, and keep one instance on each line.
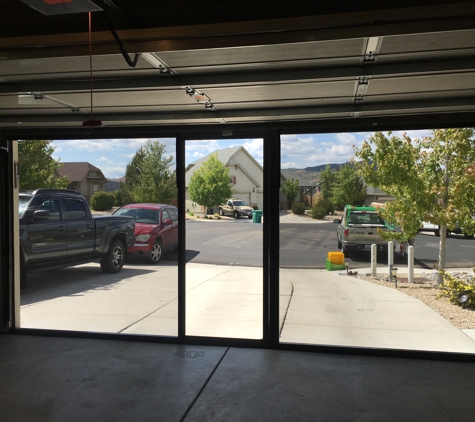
(256,216)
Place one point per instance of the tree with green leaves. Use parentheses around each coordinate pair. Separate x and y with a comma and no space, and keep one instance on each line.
(432,179)
(38,168)
(327,181)
(133,170)
(209,185)
(349,187)
(290,189)
(150,176)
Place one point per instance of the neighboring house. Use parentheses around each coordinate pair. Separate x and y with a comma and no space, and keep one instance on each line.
(376,195)
(84,178)
(307,188)
(245,177)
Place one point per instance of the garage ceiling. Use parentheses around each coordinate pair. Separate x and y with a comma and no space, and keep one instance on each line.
(270,63)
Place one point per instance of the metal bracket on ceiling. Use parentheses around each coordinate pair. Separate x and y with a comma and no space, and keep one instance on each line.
(369,57)
(130,62)
(156,62)
(33,97)
(363,82)
(200,97)
(371,47)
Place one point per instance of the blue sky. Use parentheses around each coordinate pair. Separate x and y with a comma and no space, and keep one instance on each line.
(297,151)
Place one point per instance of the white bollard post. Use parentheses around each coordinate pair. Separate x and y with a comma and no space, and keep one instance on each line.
(374,259)
(410,264)
(390,257)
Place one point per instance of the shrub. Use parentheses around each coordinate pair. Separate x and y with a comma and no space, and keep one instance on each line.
(320,200)
(298,208)
(102,201)
(452,287)
(118,201)
(318,212)
(192,213)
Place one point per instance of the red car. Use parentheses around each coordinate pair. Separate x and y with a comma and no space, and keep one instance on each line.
(156,229)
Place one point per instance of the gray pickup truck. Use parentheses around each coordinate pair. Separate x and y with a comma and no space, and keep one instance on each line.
(57,230)
(358,228)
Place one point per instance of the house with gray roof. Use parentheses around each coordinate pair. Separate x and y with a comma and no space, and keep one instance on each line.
(245,177)
(376,195)
(83,177)
(307,188)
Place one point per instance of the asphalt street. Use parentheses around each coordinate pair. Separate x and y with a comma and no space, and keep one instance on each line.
(304,243)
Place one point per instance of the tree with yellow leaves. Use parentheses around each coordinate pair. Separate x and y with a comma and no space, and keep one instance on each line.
(432,179)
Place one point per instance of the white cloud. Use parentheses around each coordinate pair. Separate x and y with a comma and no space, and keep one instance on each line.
(104,160)
(256,149)
(346,138)
(114,172)
(109,144)
(297,151)
(289,165)
(89,145)
(413,134)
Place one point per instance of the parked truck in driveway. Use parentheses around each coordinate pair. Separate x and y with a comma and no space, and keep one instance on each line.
(358,229)
(57,230)
(235,207)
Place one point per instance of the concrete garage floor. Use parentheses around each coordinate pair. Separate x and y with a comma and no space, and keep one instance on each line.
(65,379)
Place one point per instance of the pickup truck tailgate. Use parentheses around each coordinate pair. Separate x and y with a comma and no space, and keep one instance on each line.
(365,234)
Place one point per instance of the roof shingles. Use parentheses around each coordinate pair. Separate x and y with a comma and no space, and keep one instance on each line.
(76,172)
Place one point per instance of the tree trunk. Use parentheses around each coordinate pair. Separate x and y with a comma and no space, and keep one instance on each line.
(442,247)
(443,227)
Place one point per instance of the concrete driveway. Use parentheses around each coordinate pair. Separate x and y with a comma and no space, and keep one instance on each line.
(317,306)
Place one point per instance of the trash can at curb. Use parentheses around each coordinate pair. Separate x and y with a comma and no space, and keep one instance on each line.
(256,216)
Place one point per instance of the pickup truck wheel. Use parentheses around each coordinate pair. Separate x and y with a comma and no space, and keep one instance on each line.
(236,214)
(437,233)
(339,244)
(221,213)
(114,260)
(155,254)
(344,251)
(468,236)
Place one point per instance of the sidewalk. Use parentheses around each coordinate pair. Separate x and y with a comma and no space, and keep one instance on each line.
(316,306)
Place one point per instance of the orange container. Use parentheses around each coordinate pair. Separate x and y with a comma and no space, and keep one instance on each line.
(337,258)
